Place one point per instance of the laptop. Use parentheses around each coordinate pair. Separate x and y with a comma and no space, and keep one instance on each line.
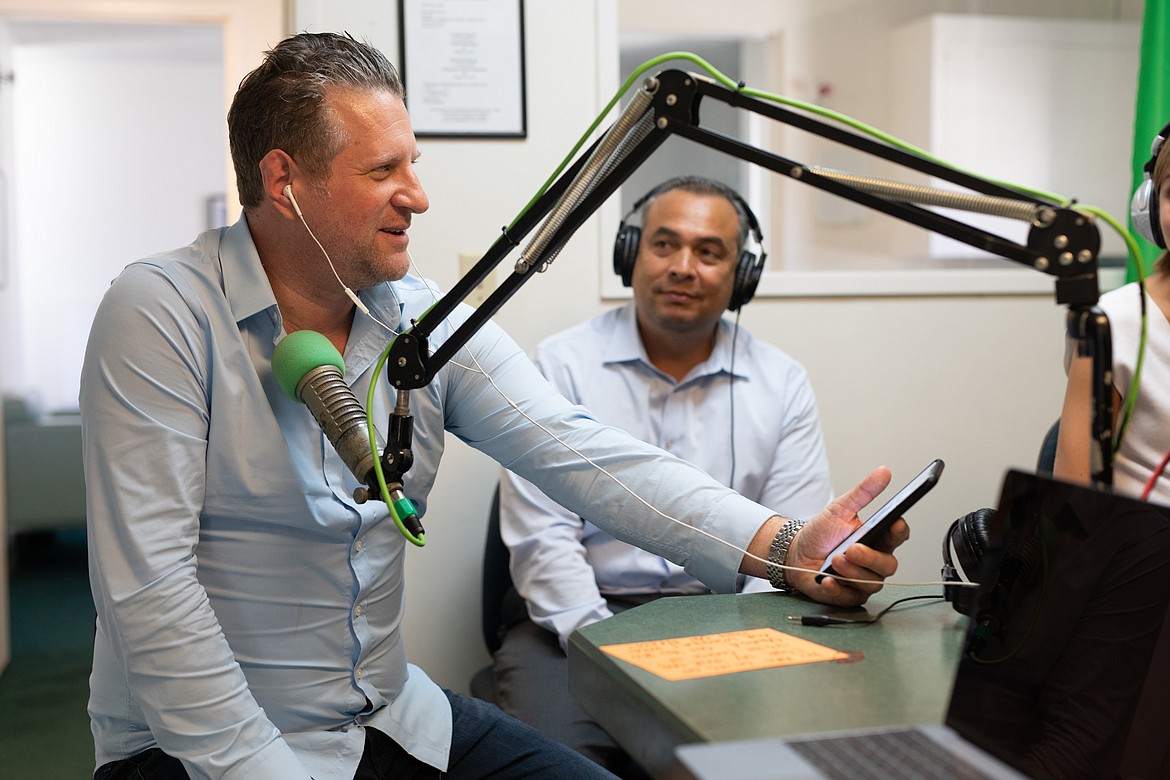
(1073,594)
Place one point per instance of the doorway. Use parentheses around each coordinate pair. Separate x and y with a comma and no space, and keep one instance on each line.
(61,306)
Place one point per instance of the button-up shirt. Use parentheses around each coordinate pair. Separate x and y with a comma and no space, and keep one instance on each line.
(751,421)
(248,610)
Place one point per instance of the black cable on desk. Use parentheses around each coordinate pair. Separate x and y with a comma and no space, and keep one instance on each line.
(832,620)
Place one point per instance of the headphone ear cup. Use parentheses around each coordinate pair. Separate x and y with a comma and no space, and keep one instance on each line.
(1144,207)
(1155,221)
(1143,212)
(625,251)
(964,546)
(747,277)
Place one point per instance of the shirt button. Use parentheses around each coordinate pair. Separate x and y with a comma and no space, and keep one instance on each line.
(669,443)
(357,546)
(358,672)
(357,611)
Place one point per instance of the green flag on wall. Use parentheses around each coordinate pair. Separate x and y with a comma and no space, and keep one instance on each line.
(1153,104)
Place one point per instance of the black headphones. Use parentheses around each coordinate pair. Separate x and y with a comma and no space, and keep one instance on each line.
(748,267)
(1143,209)
(963,549)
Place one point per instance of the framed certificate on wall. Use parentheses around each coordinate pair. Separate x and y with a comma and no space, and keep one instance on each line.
(463,67)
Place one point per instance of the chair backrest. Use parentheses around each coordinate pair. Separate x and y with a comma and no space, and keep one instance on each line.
(497,579)
(1047,459)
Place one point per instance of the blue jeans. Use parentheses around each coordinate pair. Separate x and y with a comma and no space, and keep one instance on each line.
(531,677)
(486,744)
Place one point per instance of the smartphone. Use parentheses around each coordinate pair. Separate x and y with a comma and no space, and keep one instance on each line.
(872,530)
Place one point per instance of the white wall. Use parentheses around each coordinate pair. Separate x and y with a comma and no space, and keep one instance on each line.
(6,245)
(975,379)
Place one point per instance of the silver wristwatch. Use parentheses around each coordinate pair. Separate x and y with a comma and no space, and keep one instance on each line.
(778,553)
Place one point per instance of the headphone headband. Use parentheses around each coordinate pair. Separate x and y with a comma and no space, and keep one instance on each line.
(749,266)
(1156,146)
(687,183)
(1144,207)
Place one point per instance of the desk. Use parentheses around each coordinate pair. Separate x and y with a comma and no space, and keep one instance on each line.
(903,672)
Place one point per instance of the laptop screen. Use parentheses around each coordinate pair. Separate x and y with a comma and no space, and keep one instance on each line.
(1074,589)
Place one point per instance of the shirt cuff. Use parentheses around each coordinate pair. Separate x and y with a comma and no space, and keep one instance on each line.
(735,520)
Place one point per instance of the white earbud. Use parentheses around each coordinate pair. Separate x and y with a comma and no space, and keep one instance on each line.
(288,194)
(349,293)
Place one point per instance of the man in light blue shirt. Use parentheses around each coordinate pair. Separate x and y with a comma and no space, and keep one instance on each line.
(248,609)
(669,369)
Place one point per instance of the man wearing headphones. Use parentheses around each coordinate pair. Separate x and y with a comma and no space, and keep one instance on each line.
(1145,441)
(670,370)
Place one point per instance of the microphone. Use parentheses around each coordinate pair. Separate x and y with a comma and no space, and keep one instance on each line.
(310,369)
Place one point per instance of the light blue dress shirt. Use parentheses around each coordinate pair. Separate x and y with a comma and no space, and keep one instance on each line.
(248,611)
(565,567)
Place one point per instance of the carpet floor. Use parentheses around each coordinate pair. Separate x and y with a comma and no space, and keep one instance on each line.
(44,728)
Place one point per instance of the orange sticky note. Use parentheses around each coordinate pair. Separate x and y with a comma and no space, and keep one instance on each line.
(689,657)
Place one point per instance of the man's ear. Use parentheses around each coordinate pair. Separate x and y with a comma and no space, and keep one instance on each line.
(277,170)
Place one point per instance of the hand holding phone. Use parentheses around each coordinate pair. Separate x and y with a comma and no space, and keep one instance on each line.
(873,529)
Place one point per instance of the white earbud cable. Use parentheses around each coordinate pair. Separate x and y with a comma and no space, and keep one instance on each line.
(551,434)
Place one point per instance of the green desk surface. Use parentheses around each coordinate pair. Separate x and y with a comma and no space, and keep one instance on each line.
(900,672)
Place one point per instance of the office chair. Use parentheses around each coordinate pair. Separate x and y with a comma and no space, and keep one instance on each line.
(496,579)
(1047,459)
(499,598)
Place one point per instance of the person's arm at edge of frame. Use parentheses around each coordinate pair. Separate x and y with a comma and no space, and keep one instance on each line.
(1073,443)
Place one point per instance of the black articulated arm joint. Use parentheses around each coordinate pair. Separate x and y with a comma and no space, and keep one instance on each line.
(406,366)
(397,460)
(1067,247)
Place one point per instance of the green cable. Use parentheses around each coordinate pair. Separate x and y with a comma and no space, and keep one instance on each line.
(1127,237)
(1136,255)
(812,108)
(828,114)
(402,507)
(772,97)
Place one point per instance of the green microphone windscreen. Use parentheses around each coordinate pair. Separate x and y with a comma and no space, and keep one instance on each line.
(300,352)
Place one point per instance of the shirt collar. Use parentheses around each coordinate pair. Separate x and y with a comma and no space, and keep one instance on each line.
(625,346)
(248,292)
(245,285)
(721,358)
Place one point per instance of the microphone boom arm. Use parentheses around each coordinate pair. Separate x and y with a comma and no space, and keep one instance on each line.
(1062,242)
